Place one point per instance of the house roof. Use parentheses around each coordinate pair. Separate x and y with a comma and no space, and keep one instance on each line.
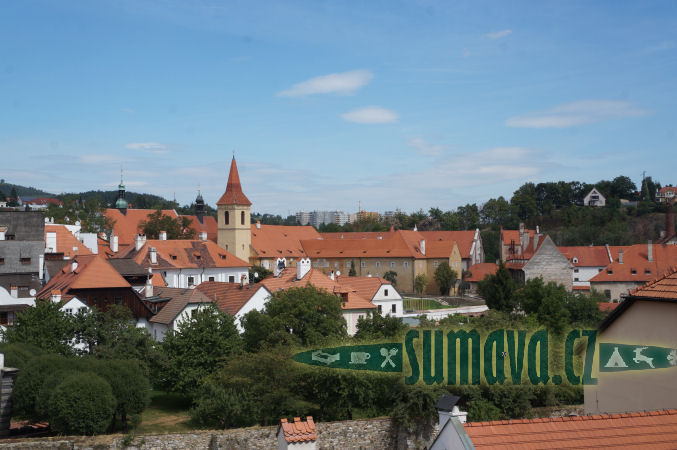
(586,256)
(668,189)
(365,287)
(279,241)
(180,298)
(481,270)
(508,236)
(663,287)
(298,431)
(208,225)
(653,429)
(636,266)
(395,247)
(184,254)
(128,267)
(229,297)
(66,243)
(92,272)
(234,194)
(518,260)
(350,297)
(126,226)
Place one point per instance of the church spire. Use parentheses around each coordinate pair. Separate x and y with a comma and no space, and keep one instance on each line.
(234,194)
(121,202)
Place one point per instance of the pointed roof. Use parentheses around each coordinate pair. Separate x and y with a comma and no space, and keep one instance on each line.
(234,194)
(91,272)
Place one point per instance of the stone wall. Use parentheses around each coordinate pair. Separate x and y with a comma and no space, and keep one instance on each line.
(550,264)
(350,435)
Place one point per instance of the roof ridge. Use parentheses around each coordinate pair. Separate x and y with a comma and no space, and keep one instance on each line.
(659,412)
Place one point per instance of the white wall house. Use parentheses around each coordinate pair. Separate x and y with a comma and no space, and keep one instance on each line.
(189,278)
(388,301)
(594,198)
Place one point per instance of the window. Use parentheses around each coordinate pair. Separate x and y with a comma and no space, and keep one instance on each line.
(610,271)
(633,271)
(575,270)
(2,261)
(436,263)
(576,279)
(25,261)
(242,218)
(191,281)
(231,279)
(4,320)
(211,278)
(599,270)
(380,309)
(117,300)
(348,264)
(222,256)
(607,293)
(336,265)
(226,217)
(363,264)
(377,275)
(385,292)
(392,264)
(173,257)
(647,272)
(394,308)
(378,263)
(406,264)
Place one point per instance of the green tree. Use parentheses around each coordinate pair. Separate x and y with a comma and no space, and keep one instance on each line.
(524,202)
(352,272)
(306,315)
(482,410)
(498,290)
(261,271)
(13,198)
(553,313)
(129,384)
(176,228)
(376,326)
(445,277)
(420,282)
(45,326)
(83,404)
(201,344)
(391,276)
(223,407)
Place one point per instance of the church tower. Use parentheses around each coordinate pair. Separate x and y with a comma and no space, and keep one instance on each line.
(234,217)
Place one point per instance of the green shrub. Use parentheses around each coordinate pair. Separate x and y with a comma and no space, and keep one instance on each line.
(17,355)
(483,410)
(219,407)
(83,404)
(130,386)
(29,382)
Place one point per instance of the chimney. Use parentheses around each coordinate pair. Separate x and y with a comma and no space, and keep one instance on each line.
(650,251)
(139,241)
(422,246)
(74,265)
(163,235)
(331,275)
(521,227)
(203,235)
(258,224)
(50,242)
(148,291)
(620,256)
(302,268)
(14,291)
(152,253)
(114,244)
(3,231)
(447,408)
(280,265)
(55,296)
(415,229)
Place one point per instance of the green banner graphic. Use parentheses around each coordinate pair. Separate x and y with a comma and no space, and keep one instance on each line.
(377,357)
(620,357)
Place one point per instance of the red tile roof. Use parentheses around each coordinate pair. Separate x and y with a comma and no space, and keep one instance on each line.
(92,272)
(126,226)
(668,189)
(636,267)
(350,298)
(365,287)
(396,247)
(663,287)
(234,194)
(229,297)
(180,298)
(653,429)
(208,225)
(278,241)
(66,243)
(607,306)
(183,254)
(586,256)
(479,271)
(298,431)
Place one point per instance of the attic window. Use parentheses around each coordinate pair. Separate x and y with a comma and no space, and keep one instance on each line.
(647,272)
(173,257)
(197,256)
(610,271)
(222,256)
(633,271)
(25,261)
(2,261)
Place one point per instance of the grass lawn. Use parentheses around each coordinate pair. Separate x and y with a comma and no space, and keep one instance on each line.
(419,304)
(166,413)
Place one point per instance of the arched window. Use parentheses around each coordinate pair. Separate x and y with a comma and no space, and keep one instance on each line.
(242,218)
(227,217)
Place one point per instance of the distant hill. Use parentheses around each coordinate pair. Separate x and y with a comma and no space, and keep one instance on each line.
(23,191)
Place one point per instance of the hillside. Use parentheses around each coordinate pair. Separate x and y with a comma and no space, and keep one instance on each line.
(22,191)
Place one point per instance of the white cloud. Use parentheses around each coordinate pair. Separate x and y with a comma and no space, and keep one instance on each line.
(334,83)
(576,113)
(153,147)
(371,114)
(101,159)
(425,148)
(498,34)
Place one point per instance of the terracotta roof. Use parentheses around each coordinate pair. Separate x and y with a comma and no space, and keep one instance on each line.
(481,270)
(298,431)
(358,235)
(396,247)
(126,226)
(586,256)
(229,297)
(128,267)
(663,287)
(184,253)
(92,272)
(66,243)
(668,189)
(44,201)
(653,429)
(180,298)
(517,260)
(365,287)
(207,225)
(636,267)
(350,298)
(607,306)
(157,280)
(234,194)
(507,236)
(581,288)
(278,241)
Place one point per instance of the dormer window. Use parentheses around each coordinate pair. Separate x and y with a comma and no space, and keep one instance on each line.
(633,271)
(610,271)
(25,261)
(173,257)
(647,272)
(222,256)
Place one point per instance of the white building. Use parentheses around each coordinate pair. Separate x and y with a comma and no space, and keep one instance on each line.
(594,198)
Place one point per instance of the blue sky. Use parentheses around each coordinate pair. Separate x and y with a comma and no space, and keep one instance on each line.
(397,104)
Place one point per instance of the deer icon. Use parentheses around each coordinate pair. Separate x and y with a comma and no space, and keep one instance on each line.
(639,357)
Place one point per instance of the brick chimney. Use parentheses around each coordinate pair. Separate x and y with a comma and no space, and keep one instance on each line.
(302,267)
(56,296)
(258,224)
(163,235)
(148,291)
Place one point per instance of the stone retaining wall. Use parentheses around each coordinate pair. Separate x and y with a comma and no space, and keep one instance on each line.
(350,435)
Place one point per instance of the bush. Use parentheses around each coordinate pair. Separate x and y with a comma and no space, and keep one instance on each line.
(17,355)
(482,410)
(130,386)
(83,404)
(29,382)
(221,407)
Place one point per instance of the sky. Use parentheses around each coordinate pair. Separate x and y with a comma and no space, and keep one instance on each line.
(393,104)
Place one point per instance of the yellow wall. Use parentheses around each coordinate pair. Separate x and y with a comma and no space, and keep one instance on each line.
(235,237)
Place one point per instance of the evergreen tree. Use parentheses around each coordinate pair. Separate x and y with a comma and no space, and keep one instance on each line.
(499,290)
